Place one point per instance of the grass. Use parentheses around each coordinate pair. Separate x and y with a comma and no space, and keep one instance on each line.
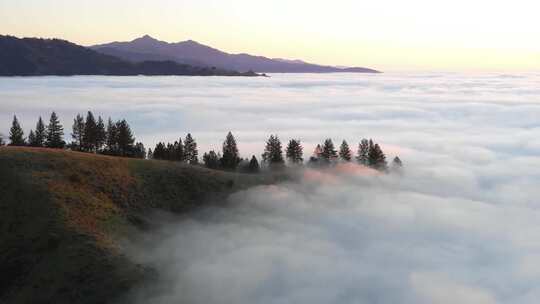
(62,212)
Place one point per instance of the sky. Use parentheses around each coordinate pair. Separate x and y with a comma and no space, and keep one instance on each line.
(387,35)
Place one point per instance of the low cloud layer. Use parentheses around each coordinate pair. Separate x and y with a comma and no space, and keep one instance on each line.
(461,225)
(349,236)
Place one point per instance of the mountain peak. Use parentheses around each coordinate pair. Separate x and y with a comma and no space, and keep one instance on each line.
(145,38)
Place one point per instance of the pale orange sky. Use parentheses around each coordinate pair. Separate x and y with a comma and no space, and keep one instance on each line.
(388,35)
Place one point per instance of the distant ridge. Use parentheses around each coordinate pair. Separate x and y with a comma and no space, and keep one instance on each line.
(192,52)
(36,57)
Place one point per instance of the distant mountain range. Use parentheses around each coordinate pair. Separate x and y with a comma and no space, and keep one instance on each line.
(34,57)
(193,53)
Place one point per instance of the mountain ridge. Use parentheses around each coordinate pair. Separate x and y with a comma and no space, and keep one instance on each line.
(192,51)
(41,57)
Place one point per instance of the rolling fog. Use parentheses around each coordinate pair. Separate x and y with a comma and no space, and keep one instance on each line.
(460,224)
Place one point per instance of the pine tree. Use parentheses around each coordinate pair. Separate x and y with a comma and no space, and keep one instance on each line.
(40,133)
(190,150)
(32,139)
(16,134)
(55,133)
(363,152)
(150,154)
(179,153)
(2,143)
(294,152)
(77,134)
(230,158)
(315,159)
(273,154)
(101,134)
(253,166)
(397,165)
(159,151)
(329,153)
(377,159)
(211,160)
(125,138)
(111,138)
(344,152)
(90,133)
(138,151)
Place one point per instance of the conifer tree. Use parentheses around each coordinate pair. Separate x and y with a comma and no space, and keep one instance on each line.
(314,160)
(159,151)
(363,152)
(77,134)
(230,158)
(101,134)
(32,139)
(345,152)
(111,138)
(55,133)
(211,160)
(16,134)
(40,133)
(90,133)
(2,140)
(329,153)
(253,166)
(138,151)
(190,150)
(150,154)
(125,138)
(377,159)
(397,165)
(179,153)
(273,154)
(294,152)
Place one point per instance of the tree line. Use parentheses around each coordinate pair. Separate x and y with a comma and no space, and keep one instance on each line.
(275,157)
(89,135)
(92,135)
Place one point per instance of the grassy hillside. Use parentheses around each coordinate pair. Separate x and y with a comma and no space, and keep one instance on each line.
(62,212)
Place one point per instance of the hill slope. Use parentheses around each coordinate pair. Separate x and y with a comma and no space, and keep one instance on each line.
(33,57)
(193,52)
(62,213)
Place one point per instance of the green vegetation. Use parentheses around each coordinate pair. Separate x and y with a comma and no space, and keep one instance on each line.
(62,214)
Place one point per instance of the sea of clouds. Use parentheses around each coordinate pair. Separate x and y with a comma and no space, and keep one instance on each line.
(460,224)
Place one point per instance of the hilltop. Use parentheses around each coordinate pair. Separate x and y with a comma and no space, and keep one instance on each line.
(37,57)
(62,214)
(195,53)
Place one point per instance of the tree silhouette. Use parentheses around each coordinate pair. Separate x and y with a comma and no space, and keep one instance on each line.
(32,139)
(150,154)
(363,152)
(101,134)
(329,153)
(190,150)
(40,133)
(2,140)
(55,133)
(77,133)
(111,138)
(345,152)
(211,160)
(294,152)
(253,166)
(273,154)
(377,159)
(125,138)
(90,133)
(230,158)
(16,134)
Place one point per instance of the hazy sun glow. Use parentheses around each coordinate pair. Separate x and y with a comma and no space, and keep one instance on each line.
(385,34)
